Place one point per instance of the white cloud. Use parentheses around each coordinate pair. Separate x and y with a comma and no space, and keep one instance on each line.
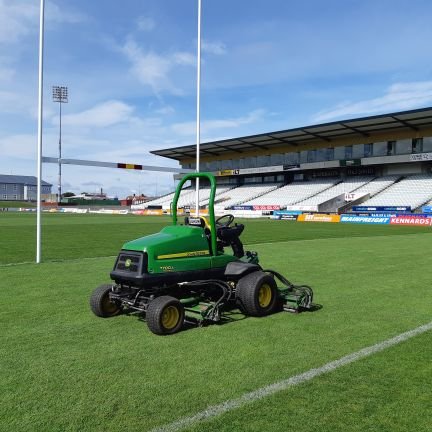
(20,18)
(16,19)
(188,128)
(105,114)
(154,69)
(57,14)
(145,23)
(398,97)
(150,68)
(165,110)
(217,48)
(22,146)
(6,74)
(184,58)
(16,103)
(91,183)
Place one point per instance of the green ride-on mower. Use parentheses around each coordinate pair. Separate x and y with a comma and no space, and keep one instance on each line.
(183,274)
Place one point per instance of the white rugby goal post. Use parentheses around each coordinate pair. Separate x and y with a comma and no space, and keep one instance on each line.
(41,159)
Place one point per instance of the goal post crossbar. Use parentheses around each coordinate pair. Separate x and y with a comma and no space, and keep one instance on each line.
(128,166)
(119,165)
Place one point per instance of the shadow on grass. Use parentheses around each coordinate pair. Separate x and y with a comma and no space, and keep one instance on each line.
(314,308)
(229,316)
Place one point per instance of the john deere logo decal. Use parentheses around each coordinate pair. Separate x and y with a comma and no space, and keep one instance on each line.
(128,263)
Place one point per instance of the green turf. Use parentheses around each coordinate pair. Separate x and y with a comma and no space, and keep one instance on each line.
(63,369)
(372,395)
(67,236)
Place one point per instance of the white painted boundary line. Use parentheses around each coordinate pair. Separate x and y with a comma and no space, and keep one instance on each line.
(216,410)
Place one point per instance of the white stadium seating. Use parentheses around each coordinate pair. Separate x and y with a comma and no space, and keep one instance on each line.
(414,190)
(187,198)
(292,193)
(350,184)
(243,193)
(377,185)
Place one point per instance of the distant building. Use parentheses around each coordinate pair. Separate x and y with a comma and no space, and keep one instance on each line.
(21,188)
(135,199)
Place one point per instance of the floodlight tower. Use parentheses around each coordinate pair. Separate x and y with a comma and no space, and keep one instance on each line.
(60,95)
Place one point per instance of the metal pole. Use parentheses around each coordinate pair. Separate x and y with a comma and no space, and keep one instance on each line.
(60,95)
(39,149)
(60,155)
(198,108)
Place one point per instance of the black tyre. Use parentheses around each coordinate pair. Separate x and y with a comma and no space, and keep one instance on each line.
(165,315)
(257,294)
(101,304)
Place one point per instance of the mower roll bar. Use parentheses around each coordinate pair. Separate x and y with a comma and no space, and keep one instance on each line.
(212,181)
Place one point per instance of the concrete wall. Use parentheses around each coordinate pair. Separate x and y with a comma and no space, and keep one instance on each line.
(404,169)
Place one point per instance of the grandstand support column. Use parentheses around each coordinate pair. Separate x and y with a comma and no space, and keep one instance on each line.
(39,148)
(198,109)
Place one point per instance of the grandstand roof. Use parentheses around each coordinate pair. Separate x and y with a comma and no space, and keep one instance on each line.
(326,132)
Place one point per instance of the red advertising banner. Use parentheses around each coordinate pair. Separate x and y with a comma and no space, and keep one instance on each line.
(266,207)
(411,220)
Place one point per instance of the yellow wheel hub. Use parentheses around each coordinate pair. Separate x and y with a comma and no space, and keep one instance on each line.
(265,296)
(170,317)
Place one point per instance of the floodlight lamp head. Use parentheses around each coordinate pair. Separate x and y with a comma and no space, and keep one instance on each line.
(60,94)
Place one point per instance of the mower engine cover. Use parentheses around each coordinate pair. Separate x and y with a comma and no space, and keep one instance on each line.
(180,250)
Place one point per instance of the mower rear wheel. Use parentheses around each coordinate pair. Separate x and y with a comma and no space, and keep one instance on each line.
(257,294)
(165,315)
(101,304)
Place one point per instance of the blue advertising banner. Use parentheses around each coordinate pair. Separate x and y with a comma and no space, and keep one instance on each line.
(242,208)
(427,209)
(381,209)
(287,212)
(380,214)
(291,217)
(378,220)
(429,215)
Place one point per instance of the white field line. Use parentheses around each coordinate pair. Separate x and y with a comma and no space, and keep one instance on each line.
(216,410)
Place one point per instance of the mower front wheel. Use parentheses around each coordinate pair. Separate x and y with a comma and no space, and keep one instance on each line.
(165,315)
(257,294)
(101,304)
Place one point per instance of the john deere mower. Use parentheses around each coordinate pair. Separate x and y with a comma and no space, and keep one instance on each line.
(183,274)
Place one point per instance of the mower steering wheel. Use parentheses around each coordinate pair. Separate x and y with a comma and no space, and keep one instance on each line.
(219,221)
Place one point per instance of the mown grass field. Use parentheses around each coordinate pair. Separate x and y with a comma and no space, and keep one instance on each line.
(63,369)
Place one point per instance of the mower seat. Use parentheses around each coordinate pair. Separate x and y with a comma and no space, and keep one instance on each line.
(200,222)
(230,236)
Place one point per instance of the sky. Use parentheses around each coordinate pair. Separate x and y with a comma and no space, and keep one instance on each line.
(130,68)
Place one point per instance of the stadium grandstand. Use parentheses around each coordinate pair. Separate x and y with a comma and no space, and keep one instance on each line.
(382,160)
